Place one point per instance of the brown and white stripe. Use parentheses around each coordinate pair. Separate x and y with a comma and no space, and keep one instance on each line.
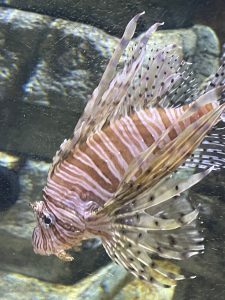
(96,168)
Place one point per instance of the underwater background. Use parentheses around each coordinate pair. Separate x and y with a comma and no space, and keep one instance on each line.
(52,56)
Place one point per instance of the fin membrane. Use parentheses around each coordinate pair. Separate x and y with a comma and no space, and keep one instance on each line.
(209,153)
(137,249)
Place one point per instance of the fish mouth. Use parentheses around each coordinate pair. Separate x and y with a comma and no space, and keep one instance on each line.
(63,255)
(39,248)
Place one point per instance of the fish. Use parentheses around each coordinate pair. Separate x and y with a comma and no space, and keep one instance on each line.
(123,174)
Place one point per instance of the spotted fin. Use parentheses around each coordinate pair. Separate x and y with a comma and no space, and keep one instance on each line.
(164,80)
(165,189)
(209,153)
(217,79)
(166,229)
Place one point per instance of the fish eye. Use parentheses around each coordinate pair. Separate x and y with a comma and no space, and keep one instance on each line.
(47,220)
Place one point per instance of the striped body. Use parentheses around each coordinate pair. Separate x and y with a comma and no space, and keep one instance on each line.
(93,171)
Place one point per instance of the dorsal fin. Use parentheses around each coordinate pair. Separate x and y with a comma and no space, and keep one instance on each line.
(102,101)
(111,93)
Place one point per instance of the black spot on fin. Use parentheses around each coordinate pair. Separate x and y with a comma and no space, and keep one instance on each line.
(135,245)
(211,152)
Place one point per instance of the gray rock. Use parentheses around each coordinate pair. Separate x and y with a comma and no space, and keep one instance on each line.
(51,66)
(113,15)
(109,283)
(54,83)
(20,36)
(105,284)
(102,285)
(9,187)
(208,49)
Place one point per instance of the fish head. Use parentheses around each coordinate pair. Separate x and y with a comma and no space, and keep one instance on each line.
(53,235)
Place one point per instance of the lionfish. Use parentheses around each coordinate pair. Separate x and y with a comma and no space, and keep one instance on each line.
(122,176)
